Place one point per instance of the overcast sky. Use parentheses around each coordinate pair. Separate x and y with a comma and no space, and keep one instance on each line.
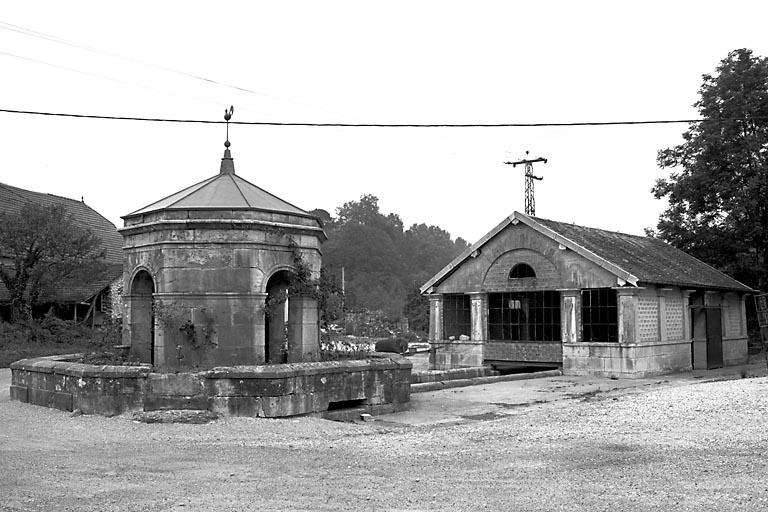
(384,62)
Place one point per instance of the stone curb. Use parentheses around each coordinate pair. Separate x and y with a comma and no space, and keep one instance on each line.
(460,383)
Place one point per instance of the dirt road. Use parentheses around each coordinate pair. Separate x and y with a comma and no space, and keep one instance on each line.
(667,446)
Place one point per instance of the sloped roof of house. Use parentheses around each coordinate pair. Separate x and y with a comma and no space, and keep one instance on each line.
(631,258)
(225,190)
(12,199)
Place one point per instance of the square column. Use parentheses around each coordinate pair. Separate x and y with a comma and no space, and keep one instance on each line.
(661,319)
(627,312)
(435,317)
(478,311)
(687,334)
(303,329)
(570,315)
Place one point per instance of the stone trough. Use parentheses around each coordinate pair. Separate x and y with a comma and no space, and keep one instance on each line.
(380,384)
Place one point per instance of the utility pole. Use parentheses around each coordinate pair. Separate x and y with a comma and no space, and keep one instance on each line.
(530,202)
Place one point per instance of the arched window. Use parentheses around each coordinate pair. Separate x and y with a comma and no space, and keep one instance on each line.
(521,270)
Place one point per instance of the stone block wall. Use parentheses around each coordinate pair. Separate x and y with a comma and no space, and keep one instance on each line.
(379,384)
(445,355)
(735,350)
(615,360)
(537,352)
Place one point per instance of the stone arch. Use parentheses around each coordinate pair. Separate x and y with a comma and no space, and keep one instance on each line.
(544,272)
(135,272)
(269,274)
(142,317)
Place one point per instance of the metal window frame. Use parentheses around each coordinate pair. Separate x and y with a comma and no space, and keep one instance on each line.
(599,315)
(540,324)
(457,307)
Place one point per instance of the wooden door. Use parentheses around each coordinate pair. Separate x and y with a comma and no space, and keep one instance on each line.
(714,338)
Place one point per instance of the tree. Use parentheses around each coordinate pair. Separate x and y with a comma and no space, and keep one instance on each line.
(718,187)
(42,247)
(368,245)
(385,265)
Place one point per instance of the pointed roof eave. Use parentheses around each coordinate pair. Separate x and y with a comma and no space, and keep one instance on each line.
(549,233)
(448,269)
(171,199)
(578,249)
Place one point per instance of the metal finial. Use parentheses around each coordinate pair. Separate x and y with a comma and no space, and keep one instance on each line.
(227,117)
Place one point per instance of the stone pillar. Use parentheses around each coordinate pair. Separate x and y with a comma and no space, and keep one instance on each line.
(259,328)
(479,315)
(743,315)
(661,330)
(435,317)
(570,305)
(303,329)
(687,334)
(627,312)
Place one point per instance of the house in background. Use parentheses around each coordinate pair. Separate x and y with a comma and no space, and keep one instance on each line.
(70,299)
(538,292)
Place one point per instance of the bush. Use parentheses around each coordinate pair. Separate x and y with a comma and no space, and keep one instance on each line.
(51,336)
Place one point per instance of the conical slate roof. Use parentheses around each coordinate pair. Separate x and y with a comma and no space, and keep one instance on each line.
(226,190)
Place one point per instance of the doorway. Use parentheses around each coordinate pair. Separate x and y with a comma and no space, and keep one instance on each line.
(714,337)
(143,317)
(706,328)
(276,316)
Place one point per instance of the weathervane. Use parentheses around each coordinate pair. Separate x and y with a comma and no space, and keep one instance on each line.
(227,117)
(530,203)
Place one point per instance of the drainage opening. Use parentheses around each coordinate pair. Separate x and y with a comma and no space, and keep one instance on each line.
(345,404)
(510,367)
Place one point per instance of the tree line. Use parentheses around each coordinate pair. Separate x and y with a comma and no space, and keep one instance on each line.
(383,264)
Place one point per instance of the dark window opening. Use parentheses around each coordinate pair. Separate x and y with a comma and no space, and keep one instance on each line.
(599,315)
(525,316)
(521,270)
(457,319)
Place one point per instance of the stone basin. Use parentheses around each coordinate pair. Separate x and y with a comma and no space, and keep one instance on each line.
(379,384)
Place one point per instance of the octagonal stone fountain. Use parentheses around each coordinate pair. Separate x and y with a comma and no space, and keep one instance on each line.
(200,267)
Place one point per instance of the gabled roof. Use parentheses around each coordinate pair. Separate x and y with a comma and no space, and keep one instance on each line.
(12,200)
(630,258)
(226,190)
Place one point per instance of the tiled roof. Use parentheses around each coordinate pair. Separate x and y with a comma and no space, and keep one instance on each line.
(12,199)
(649,259)
(223,191)
(634,259)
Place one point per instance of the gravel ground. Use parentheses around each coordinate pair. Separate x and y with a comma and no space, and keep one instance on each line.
(693,446)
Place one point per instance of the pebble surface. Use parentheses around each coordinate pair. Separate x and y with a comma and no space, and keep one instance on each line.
(699,446)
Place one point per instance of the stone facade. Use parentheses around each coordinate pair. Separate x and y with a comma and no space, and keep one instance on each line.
(380,384)
(214,272)
(652,329)
(200,267)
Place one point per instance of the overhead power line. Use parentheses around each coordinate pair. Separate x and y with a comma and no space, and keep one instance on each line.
(378,125)
(73,44)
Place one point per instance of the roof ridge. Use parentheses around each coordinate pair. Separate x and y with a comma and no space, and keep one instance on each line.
(234,182)
(270,194)
(594,229)
(16,190)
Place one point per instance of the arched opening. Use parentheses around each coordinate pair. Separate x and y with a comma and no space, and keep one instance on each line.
(142,317)
(275,333)
(521,270)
